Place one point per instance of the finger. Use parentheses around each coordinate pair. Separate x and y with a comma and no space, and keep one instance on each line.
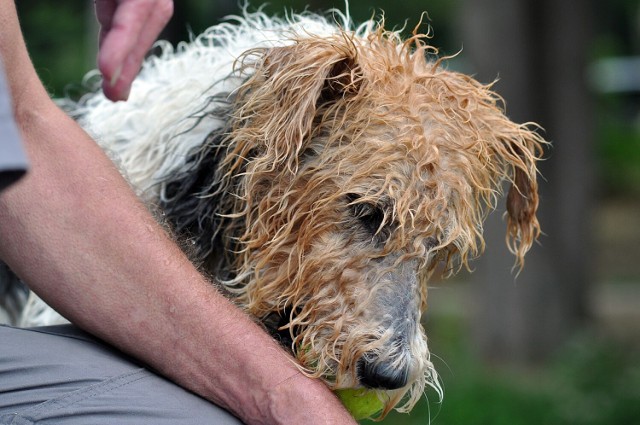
(133,29)
(122,31)
(120,34)
(147,37)
(105,9)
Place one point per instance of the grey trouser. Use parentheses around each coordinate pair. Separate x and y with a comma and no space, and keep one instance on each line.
(61,375)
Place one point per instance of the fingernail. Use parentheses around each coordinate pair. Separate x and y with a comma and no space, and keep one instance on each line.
(115,76)
(125,94)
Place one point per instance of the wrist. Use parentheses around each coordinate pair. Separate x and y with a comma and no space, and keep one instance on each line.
(305,400)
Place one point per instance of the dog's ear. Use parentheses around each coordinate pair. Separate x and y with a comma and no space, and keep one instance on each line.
(290,86)
(343,80)
(312,73)
(523,227)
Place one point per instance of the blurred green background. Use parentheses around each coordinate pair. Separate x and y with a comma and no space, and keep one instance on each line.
(559,343)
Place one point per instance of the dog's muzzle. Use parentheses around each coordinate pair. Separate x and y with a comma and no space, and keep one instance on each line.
(396,301)
(376,373)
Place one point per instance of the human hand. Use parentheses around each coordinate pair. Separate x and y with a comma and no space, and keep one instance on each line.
(128,29)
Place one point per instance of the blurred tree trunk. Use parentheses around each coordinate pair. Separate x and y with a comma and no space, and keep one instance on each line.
(538,51)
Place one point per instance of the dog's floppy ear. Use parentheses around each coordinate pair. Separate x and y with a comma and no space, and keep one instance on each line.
(343,80)
(290,85)
(523,227)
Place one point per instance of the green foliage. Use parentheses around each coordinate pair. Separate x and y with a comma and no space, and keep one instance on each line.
(56,37)
(618,124)
(591,381)
(618,147)
(598,382)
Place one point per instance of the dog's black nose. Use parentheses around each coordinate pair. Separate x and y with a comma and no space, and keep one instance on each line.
(381,374)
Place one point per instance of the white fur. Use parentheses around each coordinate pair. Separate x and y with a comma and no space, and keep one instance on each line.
(38,313)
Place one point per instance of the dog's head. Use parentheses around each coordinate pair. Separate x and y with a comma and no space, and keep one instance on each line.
(354,165)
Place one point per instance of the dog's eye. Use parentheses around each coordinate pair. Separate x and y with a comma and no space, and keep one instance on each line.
(371,216)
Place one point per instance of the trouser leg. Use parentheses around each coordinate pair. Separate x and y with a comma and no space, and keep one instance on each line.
(61,375)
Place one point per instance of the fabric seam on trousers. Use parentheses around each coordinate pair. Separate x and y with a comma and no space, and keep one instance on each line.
(35,413)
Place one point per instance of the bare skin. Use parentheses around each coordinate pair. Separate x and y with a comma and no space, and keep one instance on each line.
(128,29)
(73,229)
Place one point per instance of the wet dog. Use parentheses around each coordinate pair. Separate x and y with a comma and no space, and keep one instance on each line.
(320,172)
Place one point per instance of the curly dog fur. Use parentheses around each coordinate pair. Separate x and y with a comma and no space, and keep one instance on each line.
(319,172)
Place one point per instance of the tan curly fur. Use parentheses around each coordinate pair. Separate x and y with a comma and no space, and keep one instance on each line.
(373,119)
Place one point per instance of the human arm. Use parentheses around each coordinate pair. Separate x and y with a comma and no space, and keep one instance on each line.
(74,230)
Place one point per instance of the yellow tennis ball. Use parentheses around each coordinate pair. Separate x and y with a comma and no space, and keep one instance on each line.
(360,402)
